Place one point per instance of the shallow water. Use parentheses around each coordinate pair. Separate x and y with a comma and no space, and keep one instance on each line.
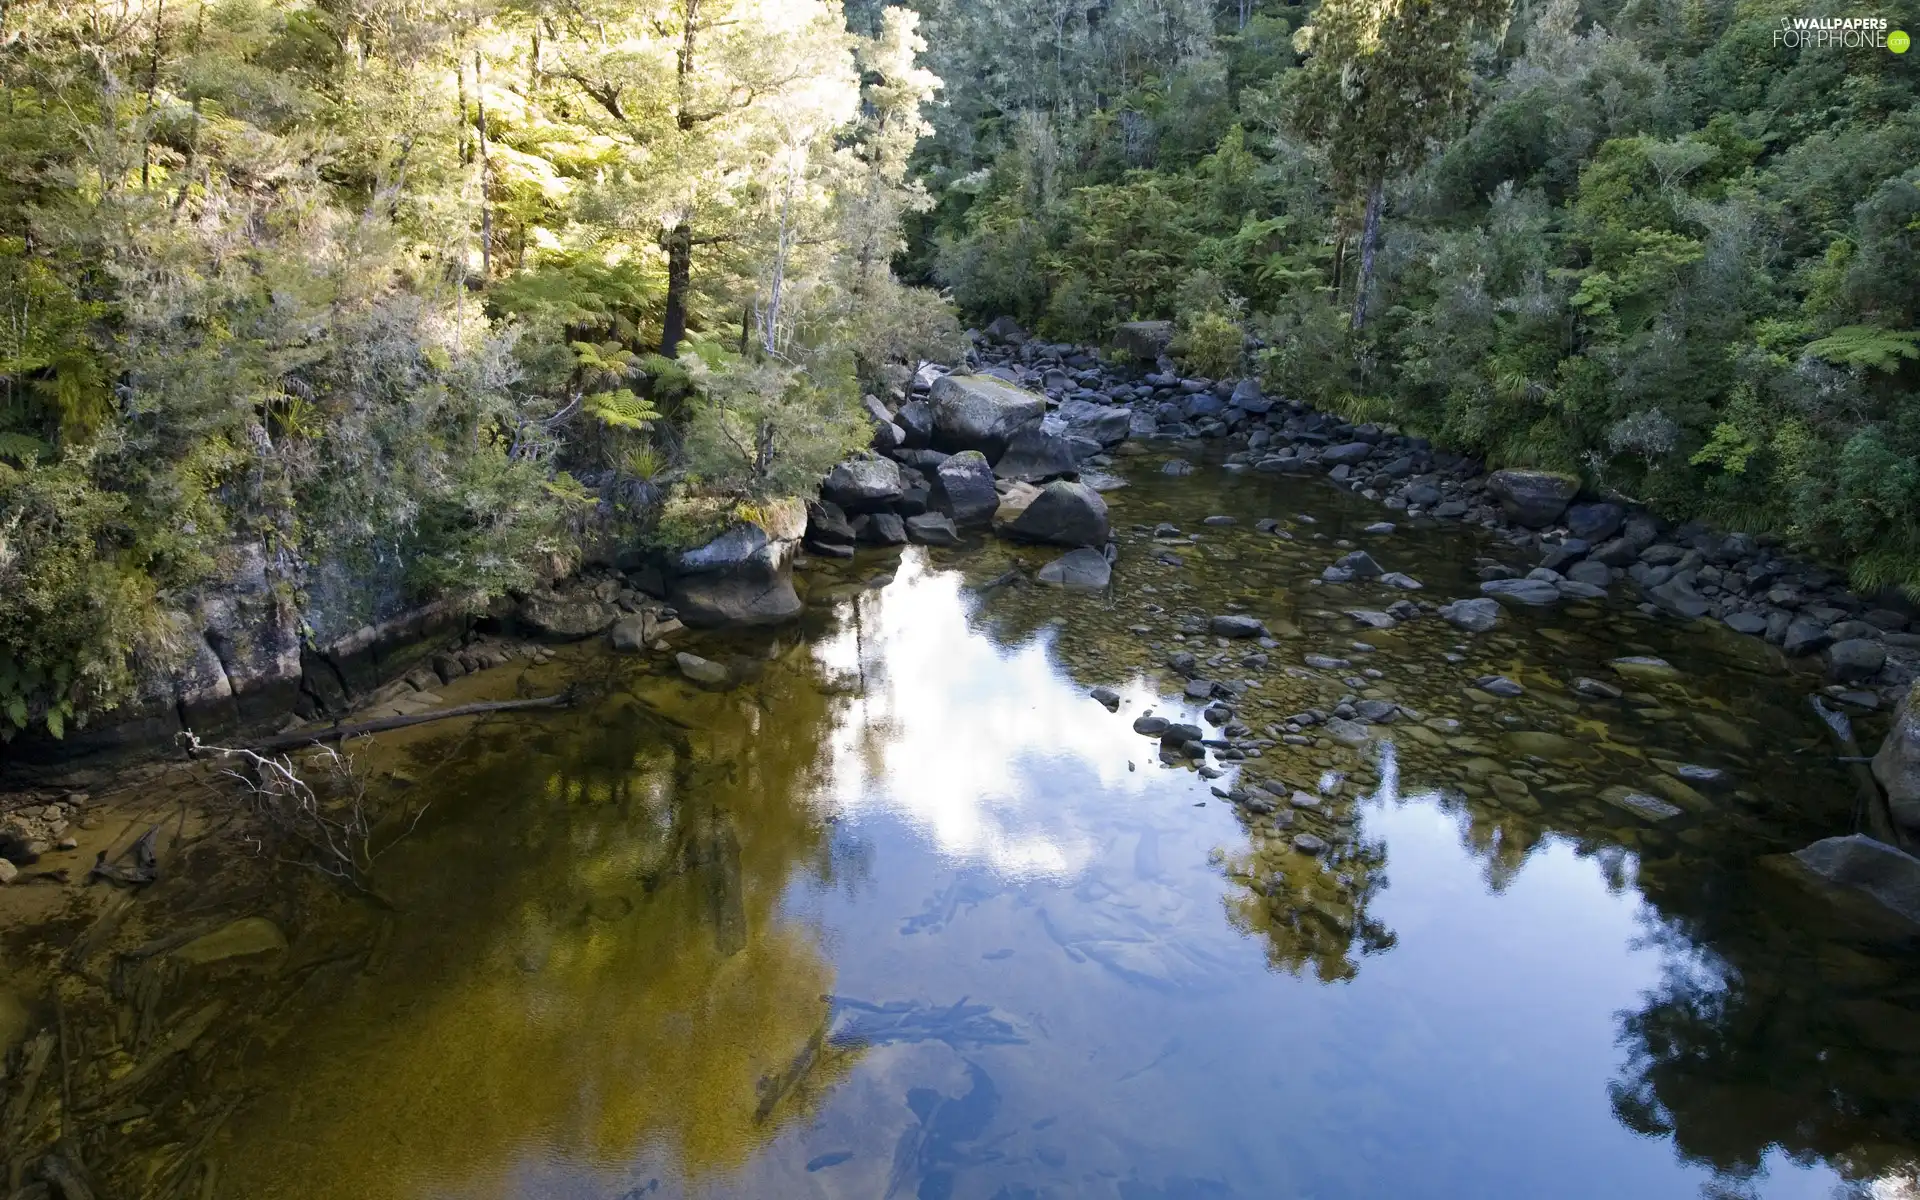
(908,915)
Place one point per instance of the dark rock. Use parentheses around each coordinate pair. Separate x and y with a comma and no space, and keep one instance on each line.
(1233,625)
(975,412)
(1151,726)
(1248,398)
(1361,564)
(1534,499)
(880,529)
(1887,874)
(1499,685)
(1422,495)
(1751,624)
(1036,456)
(915,419)
(932,529)
(1589,572)
(1346,454)
(1595,522)
(1108,697)
(963,488)
(1006,329)
(1180,735)
(827,525)
(1616,553)
(1065,514)
(1143,340)
(1855,660)
(1805,636)
(1596,689)
(1083,570)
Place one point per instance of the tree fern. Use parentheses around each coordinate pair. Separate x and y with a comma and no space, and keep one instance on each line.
(1867,346)
(621,409)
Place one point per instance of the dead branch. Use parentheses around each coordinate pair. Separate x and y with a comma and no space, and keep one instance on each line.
(335,733)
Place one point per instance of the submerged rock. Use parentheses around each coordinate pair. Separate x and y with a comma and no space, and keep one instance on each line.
(1475,616)
(1233,625)
(1083,570)
(701,670)
(1536,593)
(1885,873)
(1640,804)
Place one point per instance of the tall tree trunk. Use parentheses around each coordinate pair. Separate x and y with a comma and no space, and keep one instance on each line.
(1369,240)
(486,170)
(679,280)
(679,247)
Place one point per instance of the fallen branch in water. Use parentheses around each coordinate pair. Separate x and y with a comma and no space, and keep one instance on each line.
(335,733)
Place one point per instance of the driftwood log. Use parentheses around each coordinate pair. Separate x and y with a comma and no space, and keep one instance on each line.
(337,732)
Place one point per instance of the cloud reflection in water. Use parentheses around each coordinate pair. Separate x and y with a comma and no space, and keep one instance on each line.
(987,749)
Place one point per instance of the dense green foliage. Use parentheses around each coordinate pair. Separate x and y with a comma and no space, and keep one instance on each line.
(386,284)
(1642,242)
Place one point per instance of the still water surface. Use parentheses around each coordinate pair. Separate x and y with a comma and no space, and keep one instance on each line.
(907,914)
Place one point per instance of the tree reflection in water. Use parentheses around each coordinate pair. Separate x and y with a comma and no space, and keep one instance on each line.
(591,971)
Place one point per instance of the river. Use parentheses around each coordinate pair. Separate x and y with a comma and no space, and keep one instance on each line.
(906,913)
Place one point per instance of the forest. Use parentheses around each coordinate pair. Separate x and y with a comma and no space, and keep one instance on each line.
(1644,242)
(421,285)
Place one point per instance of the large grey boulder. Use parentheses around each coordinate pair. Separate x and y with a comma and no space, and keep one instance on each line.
(1082,570)
(1034,456)
(744,576)
(566,616)
(1062,513)
(1885,873)
(977,412)
(1103,423)
(1144,340)
(1897,765)
(963,489)
(1534,499)
(863,484)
